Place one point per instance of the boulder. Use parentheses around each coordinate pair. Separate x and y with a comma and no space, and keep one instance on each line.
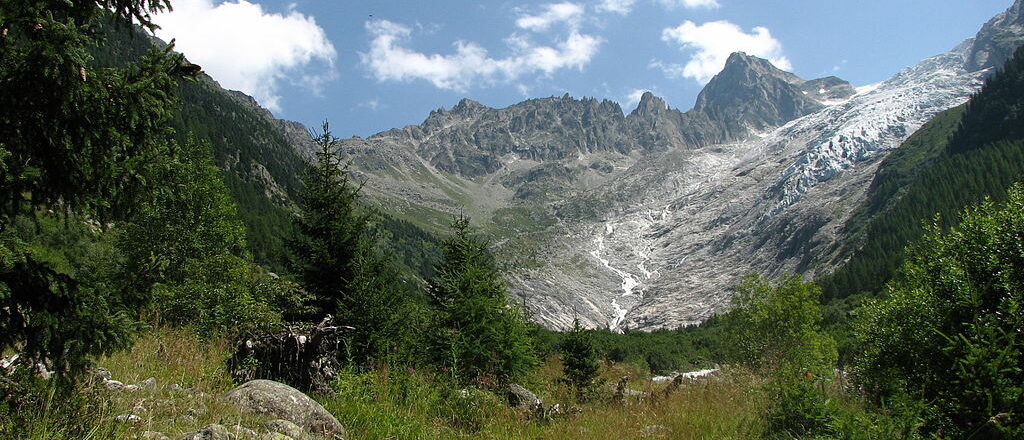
(285,427)
(275,399)
(523,398)
(210,432)
(113,384)
(148,384)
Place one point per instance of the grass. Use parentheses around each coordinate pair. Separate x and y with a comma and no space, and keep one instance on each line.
(382,405)
(409,404)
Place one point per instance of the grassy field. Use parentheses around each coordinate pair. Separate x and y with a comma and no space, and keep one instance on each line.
(407,404)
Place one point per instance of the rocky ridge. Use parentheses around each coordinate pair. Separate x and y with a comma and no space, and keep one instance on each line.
(645,220)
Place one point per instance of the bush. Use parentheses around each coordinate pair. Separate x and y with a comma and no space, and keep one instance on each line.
(777,327)
(801,408)
(950,330)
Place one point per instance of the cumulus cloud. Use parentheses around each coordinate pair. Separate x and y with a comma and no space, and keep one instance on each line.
(633,98)
(470,64)
(711,44)
(624,7)
(689,3)
(565,12)
(248,49)
(617,6)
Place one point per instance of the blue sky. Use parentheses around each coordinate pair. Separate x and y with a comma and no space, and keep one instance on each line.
(373,65)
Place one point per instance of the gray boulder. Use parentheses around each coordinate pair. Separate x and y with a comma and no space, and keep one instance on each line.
(285,427)
(275,399)
(113,384)
(148,384)
(210,432)
(523,398)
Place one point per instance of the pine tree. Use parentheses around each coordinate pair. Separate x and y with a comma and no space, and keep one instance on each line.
(337,257)
(482,336)
(78,141)
(579,358)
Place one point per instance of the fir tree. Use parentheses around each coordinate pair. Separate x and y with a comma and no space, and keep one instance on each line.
(482,336)
(76,140)
(579,358)
(337,258)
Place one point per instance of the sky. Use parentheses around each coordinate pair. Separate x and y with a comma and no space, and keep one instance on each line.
(369,66)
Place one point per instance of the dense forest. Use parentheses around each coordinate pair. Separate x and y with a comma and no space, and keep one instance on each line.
(135,235)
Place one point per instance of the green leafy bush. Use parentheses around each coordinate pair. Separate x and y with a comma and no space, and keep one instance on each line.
(950,330)
(777,327)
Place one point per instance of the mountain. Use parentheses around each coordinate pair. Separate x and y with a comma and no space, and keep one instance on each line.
(961,156)
(646,220)
(997,40)
(642,220)
(750,93)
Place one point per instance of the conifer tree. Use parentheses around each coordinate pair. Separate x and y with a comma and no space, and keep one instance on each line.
(579,358)
(336,256)
(482,336)
(78,141)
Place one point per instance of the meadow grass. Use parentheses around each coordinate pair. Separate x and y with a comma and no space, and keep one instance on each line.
(404,403)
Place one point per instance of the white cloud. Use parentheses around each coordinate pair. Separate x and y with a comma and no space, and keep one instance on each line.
(470,64)
(633,98)
(554,13)
(373,104)
(690,3)
(713,42)
(248,49)
(624,7)
(617,6)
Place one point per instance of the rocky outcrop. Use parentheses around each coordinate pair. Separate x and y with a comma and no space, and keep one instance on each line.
(752,95)
(997,40)
(274,399)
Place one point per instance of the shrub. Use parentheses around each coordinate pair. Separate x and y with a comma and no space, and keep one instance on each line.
(950,330)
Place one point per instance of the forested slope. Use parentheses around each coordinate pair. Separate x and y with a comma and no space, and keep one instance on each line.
(961,156)
(260,160)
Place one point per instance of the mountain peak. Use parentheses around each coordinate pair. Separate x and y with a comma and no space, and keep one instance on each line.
(997,39)
(649,105)
(467,105)
(752,94)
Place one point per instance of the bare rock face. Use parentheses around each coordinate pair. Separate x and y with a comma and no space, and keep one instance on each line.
(269,398)
(752,94)
(997,40)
